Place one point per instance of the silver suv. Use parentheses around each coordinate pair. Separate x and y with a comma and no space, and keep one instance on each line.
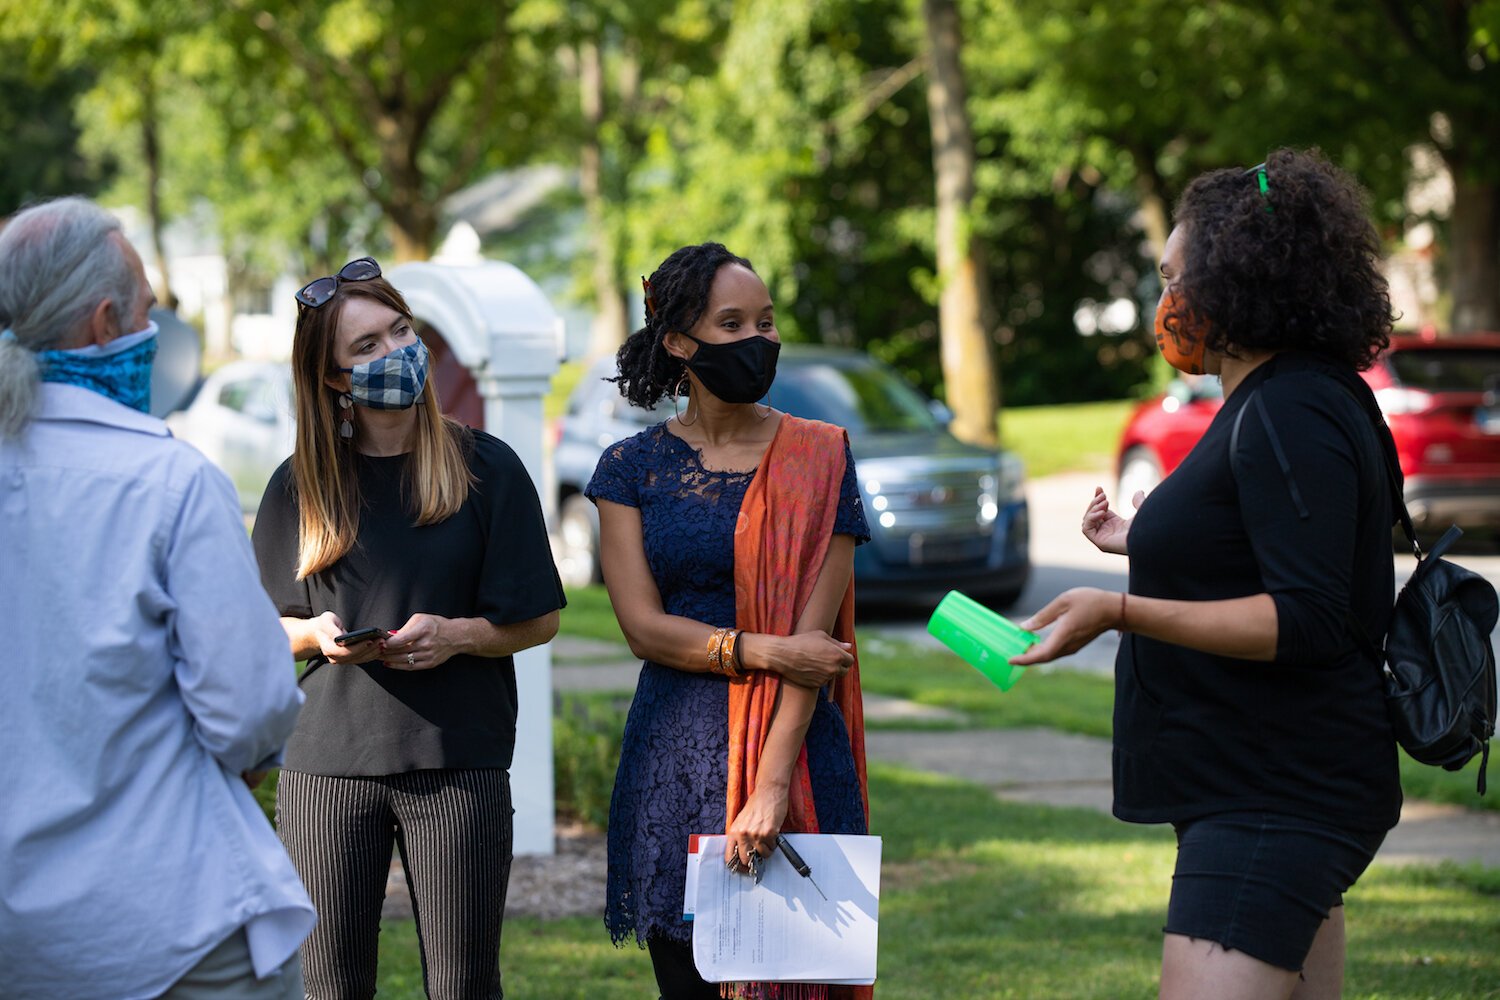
(943,515)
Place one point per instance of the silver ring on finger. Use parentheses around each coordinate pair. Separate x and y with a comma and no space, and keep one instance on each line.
(411,659)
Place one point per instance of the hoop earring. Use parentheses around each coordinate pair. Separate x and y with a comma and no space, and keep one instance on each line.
(677,393)
(765,415)
(346,428)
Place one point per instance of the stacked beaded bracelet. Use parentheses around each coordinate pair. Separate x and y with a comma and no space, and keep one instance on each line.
(722,658)
(731,657)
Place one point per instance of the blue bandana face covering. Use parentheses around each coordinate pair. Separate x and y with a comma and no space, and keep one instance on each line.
(119,370)
(393,382)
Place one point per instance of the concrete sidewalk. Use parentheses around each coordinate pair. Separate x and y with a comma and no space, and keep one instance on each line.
(1041,766)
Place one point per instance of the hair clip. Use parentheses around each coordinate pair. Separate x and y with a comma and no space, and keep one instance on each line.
(1264,183)
(650,300)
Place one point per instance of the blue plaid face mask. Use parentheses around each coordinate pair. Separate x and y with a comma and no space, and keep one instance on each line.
(119,370)
(393,382)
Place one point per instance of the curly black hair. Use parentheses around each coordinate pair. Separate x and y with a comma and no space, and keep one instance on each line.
(678,296)
(1292,267)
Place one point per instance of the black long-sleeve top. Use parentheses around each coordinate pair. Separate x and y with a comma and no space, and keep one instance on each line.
(1290,499)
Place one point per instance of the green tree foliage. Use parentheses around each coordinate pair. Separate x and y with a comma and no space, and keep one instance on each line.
(796,131)
(622,69)
(1446,57)
(42,156)
(810,152)
(123,41)
(803,152)
(415,99)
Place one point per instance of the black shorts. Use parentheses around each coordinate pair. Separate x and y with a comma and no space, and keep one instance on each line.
(1263,883)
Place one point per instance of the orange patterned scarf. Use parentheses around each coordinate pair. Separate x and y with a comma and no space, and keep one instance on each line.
(780,541)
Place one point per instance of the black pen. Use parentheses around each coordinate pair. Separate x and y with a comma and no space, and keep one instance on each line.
(797,862)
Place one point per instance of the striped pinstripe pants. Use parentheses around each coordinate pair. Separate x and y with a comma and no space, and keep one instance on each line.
(453,829)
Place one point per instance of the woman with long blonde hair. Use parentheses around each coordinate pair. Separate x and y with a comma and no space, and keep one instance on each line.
(408,558)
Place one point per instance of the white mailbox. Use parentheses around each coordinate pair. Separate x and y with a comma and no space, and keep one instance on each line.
(501,327)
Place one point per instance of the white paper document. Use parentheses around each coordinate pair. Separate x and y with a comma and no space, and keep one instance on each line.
(782,930)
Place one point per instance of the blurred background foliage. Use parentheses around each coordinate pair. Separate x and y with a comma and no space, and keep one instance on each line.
(796,131)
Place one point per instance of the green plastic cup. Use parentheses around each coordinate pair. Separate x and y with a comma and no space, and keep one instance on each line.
(983,639)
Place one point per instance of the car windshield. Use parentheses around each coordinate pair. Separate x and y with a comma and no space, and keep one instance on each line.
(861,398)
(1447,370)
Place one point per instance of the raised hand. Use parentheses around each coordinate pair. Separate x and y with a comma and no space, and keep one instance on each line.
(1105,528)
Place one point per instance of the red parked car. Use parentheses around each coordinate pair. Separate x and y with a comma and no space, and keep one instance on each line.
(1441,398)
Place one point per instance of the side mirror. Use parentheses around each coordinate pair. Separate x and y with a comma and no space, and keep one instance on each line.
(940,412)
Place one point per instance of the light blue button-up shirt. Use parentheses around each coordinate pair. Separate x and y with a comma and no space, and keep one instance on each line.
(143,670)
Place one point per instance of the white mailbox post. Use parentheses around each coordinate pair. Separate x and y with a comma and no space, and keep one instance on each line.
(501,326)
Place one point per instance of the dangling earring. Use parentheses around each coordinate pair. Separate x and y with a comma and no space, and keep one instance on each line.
(765,415)
(346,429)
(677,394)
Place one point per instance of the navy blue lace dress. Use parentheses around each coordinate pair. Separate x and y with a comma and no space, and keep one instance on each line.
(675,759)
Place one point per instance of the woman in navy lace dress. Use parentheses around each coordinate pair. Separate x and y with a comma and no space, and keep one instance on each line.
(669,499)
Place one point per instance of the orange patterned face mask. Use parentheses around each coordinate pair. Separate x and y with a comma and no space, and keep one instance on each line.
(1183,344)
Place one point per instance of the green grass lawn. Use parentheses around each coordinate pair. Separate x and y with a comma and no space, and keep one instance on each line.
(982,898)
(1074,437)
(590,616)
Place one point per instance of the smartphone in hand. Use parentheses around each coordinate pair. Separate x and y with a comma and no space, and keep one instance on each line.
(359,635)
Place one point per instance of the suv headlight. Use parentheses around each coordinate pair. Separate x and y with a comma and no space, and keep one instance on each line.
(1012,478)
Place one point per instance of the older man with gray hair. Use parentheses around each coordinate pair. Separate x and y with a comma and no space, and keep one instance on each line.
(145,670)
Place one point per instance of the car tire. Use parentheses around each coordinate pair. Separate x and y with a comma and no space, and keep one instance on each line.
(1002,600)
(1139,470)
(578,543)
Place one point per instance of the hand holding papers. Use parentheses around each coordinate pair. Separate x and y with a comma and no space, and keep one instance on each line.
(783,930)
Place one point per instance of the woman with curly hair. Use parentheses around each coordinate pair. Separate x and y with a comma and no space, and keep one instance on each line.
(1245,714)
(727,539)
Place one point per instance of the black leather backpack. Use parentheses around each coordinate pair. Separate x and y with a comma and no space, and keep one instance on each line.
(1438,663)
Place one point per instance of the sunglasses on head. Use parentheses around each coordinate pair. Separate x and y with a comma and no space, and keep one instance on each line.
(317,292)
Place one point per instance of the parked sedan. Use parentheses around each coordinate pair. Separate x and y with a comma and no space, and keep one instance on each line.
(943,515)
(241,417)
(1441,399)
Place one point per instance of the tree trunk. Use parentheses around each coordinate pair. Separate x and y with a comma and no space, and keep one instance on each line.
(410,211)
(151,152)
(411,241)
(1155,219)
(410,215)
(964,309)
(610,324)
(1474,252)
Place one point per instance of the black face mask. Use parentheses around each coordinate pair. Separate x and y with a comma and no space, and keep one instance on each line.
(740,371)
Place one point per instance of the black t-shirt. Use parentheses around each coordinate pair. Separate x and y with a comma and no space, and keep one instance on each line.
(1295,504)
(489,560)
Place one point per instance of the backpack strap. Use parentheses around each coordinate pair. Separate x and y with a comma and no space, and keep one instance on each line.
(1356,629)
(1360,390)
